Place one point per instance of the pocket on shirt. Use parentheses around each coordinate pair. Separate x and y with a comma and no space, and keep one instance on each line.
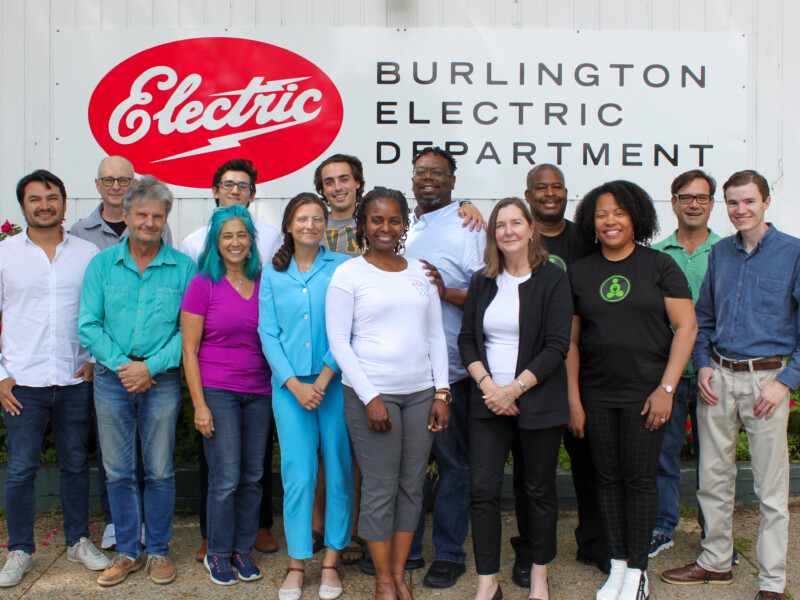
(768,295)
(168,304)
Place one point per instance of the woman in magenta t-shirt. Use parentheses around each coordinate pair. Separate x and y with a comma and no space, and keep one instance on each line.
(229,381)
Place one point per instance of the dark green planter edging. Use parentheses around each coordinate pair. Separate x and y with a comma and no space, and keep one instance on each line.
(187,488)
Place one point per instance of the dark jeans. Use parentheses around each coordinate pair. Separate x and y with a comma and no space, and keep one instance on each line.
(669,463)
(589,533)
(540,448)
(265,520)
(451,510)
(68,409)
(626,463)
(235,454)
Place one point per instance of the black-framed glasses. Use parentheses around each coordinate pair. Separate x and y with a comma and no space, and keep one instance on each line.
(229,185)
(422,172)
(109,181)
(689,198)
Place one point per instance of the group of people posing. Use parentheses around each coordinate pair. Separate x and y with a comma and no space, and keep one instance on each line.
(375,337)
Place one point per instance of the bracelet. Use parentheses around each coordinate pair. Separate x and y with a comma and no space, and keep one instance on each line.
(463,202)
(443,395)
(480,381)
(522,386)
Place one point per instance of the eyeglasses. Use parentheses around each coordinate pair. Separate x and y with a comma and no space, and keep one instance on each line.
(422,172)
(229,185)
(688,198)
(315,220)
(109,181)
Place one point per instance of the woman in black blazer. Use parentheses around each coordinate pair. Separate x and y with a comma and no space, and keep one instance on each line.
(514,339)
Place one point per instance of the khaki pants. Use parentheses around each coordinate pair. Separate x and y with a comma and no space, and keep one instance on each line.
(719,429)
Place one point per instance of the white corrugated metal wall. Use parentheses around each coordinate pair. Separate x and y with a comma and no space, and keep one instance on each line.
(27,29)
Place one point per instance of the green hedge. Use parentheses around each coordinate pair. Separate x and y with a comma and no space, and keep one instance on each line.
(186,439)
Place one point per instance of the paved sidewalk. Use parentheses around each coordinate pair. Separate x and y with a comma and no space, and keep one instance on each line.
(54,577)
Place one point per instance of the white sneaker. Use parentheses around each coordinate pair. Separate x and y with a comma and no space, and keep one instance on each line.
(109,538)
(88,555)
(613,585)
(635,586)
(17,564)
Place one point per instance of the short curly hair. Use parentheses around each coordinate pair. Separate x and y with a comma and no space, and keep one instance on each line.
(636,202)
(376,194)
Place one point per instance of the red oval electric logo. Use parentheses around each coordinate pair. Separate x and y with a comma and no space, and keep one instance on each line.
(180,110)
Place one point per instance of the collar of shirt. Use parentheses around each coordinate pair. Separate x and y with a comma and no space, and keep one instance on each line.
(434,217)
(123,255)
(672,242)
(764,241)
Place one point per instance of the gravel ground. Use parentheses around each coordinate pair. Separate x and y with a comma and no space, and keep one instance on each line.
(55,577)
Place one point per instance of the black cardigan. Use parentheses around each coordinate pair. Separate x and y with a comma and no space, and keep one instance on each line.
(545,324)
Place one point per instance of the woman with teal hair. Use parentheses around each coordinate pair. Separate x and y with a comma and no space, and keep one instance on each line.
(229,381)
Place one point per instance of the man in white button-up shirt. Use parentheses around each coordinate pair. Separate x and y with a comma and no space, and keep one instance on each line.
(45,374)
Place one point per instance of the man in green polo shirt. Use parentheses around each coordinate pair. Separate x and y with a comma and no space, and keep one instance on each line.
(689,245)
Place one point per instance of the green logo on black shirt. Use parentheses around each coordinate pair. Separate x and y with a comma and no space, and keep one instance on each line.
(615,288)
(558,261)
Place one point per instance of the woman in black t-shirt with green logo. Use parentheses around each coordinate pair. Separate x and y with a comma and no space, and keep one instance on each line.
(623,366)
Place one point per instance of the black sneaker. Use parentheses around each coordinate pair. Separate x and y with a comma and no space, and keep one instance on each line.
(658,543)
(366,565)
(443,574)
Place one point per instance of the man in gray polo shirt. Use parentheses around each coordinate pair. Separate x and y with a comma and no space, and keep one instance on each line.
(105,226)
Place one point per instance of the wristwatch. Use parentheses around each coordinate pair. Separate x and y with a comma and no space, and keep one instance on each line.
(667,387)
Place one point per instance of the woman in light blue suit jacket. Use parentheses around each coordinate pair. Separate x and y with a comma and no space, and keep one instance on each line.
(307,391)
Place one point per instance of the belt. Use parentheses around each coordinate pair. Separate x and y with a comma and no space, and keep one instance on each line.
(757,364)
(171,371)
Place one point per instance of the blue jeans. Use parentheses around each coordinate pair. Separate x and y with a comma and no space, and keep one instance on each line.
(235,455)
(152,415)
(451,510)
(69,410)
(669,468)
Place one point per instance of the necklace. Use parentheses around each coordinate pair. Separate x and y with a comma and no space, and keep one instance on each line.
(236,287)
(303,268)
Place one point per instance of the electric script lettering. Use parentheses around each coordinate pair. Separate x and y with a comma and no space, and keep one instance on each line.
(528,111)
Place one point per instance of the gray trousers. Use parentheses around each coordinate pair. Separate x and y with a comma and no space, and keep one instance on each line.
(393,464)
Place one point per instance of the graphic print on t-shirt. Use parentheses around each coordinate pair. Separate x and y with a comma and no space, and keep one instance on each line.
(615,288)
(421,288)
(342,240)
(558,261)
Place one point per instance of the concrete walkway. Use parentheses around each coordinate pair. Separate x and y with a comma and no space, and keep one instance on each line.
(54,577)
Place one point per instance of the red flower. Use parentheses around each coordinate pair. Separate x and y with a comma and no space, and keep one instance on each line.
(7,227)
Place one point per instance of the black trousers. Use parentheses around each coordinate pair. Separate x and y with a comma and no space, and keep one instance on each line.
(589,533)
(265,520)
(626,464)
(491,441)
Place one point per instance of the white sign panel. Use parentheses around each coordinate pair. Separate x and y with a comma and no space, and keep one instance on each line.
(643,106)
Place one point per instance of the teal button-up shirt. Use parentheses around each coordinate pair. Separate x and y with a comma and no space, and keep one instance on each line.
(693,265)
(126,314)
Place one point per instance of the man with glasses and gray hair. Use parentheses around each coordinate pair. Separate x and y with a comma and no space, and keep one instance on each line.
(105,226)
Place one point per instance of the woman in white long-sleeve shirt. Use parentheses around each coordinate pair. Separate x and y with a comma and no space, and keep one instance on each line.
(384,322)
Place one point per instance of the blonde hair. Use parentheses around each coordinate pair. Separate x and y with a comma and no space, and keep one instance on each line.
(493,257)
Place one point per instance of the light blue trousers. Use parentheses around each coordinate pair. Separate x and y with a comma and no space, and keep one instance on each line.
(301,433)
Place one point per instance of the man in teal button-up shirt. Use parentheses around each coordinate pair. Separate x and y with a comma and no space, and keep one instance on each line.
(129,321)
